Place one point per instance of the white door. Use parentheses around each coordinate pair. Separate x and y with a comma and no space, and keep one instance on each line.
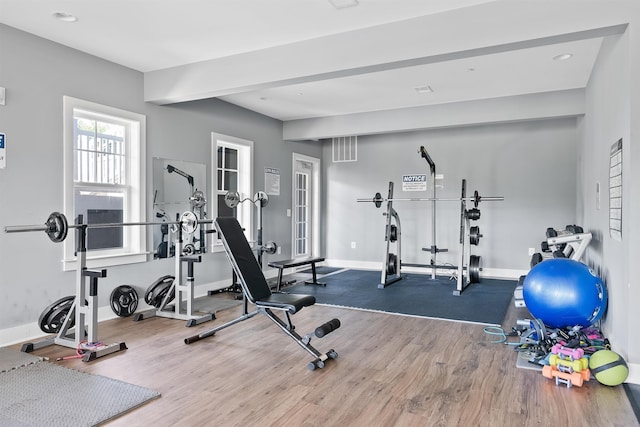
(305,218)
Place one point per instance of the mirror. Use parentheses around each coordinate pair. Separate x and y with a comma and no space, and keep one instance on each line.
(178,187)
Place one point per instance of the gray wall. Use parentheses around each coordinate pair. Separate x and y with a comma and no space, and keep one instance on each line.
(609,117)
(532,164)
(37,74)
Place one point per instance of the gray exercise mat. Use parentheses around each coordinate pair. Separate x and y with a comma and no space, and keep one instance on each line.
(13,359)
(46,394)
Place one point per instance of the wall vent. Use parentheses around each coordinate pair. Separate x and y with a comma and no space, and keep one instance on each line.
(345,148)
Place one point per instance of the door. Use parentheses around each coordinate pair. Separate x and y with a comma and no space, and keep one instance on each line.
(305,206)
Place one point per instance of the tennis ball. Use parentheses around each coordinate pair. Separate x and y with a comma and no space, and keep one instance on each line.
(608,367)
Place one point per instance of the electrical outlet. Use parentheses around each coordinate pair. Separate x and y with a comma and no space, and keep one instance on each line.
(279,250)
(353,245)
(532,251)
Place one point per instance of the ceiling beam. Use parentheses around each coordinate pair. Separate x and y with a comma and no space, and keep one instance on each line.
(537,106)
(418,41)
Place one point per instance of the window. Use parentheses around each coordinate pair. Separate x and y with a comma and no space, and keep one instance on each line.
(104,181)
(233,158)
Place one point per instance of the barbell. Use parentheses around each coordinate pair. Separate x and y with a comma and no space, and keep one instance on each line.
(56,227)
(232,199)
(476,199)
(198,199)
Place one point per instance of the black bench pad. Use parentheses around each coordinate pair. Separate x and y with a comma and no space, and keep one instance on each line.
(292,303)
(289,263)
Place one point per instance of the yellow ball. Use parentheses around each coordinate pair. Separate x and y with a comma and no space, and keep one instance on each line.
(608,367)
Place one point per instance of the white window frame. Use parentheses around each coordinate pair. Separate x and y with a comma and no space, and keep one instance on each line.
(245,211)
(135,237)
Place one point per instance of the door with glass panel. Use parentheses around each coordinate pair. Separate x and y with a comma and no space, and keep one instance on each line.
(301,215)
(306,205)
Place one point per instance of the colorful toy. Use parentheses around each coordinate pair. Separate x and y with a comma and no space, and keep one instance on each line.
(562,292)
(608,367)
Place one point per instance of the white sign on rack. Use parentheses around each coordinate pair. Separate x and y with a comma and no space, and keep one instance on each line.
(416,182)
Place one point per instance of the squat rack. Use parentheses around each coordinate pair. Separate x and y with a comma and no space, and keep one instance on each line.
(392,264)
(85,305)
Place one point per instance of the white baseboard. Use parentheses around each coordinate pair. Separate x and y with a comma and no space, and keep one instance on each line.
(634,373)
(31,331)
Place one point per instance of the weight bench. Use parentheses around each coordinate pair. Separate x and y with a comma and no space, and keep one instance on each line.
(290,263)
(256,290)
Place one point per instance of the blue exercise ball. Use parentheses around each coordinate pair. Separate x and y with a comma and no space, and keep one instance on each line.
(562,292)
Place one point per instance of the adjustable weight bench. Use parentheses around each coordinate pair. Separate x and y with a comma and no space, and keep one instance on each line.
(256,290)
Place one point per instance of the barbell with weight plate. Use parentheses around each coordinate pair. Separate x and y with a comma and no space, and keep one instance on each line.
(198,199)
(57,226)
(270,248)
(232,199)
(476,199)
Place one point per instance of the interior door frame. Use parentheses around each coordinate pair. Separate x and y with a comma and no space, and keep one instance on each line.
(315,201)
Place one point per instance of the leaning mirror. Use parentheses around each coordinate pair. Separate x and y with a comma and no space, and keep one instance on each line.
(178,187)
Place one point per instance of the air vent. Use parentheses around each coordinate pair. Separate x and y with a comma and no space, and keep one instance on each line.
(345,149)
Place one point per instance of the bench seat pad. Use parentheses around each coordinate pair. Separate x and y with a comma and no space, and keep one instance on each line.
(290,302)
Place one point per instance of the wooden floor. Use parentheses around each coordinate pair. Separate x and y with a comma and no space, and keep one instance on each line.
(391,371)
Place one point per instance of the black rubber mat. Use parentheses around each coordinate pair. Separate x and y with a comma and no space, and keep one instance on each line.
(322,270)
(417,295)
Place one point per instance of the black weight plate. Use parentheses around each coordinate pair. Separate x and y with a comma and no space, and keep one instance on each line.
(474,235)
(536,259)
(158,289)
(474,269)
(473,214)
(124,300)
(54,315)
(392,264)
(57,227)
(377,200)
(393,236)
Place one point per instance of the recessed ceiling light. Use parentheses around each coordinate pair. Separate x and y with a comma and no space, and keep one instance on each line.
(424,89)
(341,4)
(562,56)
(66,17)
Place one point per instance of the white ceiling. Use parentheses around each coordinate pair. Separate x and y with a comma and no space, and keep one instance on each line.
(154,35)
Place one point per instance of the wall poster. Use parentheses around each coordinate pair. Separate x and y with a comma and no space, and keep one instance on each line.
(615,191)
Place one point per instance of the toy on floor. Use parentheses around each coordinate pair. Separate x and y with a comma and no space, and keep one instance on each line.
(562,292)
(608,367)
